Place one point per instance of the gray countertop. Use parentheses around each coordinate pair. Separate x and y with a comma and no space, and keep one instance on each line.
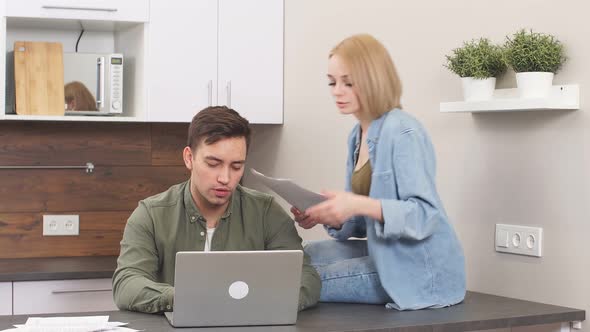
(478,312)
(60,268)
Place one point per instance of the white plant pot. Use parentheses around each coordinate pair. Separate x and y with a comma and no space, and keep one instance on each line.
(478,89)
(534,84)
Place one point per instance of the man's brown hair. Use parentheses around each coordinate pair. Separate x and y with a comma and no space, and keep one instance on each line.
(215,123)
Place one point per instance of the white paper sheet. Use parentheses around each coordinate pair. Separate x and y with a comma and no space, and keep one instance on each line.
(67,321)
(295,195)
(89,328)
(70,324)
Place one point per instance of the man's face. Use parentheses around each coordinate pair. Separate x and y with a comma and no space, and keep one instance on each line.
(216,170)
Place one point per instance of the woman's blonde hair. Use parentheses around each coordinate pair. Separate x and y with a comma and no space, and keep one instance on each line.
(78,97)
(372,72)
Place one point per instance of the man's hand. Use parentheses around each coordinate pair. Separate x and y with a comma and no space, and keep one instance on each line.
(303,219)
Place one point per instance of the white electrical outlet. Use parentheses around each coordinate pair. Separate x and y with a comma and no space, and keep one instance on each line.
(63,224)
(521,240)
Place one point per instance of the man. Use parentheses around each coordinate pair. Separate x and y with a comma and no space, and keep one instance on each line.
(210,211)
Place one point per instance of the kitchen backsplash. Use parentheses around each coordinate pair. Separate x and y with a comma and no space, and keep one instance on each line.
(132,161)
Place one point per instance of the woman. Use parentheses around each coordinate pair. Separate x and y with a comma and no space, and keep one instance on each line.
(411,258)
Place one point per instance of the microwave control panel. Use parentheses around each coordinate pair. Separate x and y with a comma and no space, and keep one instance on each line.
(116,79)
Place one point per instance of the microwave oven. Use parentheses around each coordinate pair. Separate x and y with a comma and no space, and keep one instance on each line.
(93,83)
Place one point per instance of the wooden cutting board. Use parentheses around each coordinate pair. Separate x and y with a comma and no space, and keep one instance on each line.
(39,78)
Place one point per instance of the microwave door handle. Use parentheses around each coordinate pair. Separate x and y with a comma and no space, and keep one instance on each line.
(99,82)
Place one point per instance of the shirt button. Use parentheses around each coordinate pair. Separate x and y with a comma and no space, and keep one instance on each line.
(168,307)
(202,233)
(192,217)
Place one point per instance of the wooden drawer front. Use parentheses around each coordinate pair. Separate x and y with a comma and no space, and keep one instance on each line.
(5,298)
(105,10)
(55,296)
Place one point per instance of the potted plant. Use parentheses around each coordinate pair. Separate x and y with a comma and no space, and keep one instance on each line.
(535,57)
(478,63)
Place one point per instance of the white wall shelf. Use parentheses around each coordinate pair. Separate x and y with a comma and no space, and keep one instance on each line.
(561,97)
(110,26)
(88,118)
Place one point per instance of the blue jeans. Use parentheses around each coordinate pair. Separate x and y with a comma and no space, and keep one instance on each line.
(347,272)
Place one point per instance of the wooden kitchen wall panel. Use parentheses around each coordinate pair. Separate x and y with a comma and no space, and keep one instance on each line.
(168,141)
(25,143)
(21,235)
(106,189)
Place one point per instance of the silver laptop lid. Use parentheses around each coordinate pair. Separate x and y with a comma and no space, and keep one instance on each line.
(237,288)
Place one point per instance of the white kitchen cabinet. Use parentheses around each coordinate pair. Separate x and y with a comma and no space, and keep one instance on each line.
(106,10)
(251,58)
(57,296)
(182,59)
(2,59)
(5,298)
(216,52)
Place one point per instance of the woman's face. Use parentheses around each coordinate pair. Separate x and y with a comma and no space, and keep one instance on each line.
(341,87)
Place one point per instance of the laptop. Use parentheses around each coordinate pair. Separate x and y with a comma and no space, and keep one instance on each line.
(236,288)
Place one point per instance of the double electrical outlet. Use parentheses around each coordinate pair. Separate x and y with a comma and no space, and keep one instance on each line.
(521,240)
(59,225)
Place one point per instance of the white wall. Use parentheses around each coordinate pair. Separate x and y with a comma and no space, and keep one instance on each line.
(529,168)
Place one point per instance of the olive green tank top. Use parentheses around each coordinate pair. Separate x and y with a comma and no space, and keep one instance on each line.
(361,180)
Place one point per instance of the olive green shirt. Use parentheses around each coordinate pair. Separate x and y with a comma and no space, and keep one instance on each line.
(167,223)
(361,180)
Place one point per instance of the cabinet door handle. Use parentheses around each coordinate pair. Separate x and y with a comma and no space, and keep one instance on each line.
(210,91)
(96,9)
(228,88)
(81,290)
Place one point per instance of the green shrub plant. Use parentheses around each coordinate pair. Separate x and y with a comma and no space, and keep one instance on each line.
(528,51)
(478,58)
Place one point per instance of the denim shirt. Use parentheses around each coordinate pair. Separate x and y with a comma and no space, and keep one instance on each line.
(416,252)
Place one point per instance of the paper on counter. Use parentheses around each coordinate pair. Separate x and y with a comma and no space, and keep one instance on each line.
(89,328)
(295,195)
(70,324)
(67,321)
